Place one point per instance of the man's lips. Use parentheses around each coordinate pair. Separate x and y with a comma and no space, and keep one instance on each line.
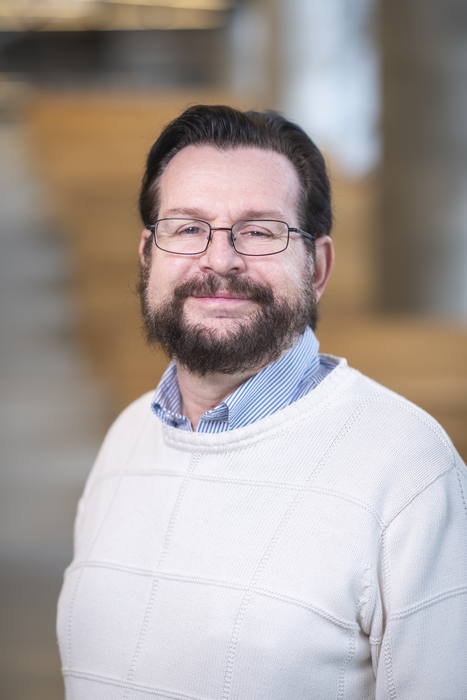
(219,301)
(221,296)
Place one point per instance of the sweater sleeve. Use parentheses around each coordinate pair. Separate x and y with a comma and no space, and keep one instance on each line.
(421,654)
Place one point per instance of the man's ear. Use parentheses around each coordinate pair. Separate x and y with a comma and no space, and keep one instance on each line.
(324,262)
(144,237)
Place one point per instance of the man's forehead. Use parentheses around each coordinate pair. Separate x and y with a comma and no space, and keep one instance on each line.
(260,180)
(198,153)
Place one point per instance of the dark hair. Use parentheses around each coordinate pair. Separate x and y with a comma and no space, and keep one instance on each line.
(225,127)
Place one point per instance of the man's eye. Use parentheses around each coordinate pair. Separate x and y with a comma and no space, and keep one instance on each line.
(256,233)
(189,231)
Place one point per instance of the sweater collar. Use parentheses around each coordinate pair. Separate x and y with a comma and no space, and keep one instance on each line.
(329,391)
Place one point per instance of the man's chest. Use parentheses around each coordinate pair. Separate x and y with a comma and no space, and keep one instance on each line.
(206,582)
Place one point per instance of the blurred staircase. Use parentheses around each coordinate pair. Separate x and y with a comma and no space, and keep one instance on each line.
(53,414)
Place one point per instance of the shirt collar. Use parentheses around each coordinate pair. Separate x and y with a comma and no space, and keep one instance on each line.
(266,392)
(167,402)
(274,386)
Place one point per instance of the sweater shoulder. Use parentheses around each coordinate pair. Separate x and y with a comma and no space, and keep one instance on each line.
(359,389)
(386,449)
(368,391)
(390,417)
(133,414)
(124,434)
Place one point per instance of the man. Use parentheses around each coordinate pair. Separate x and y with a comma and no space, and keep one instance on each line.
(278,525)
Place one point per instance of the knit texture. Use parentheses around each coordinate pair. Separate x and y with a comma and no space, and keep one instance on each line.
(319,553)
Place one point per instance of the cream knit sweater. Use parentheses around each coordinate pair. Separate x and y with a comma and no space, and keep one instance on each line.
(320,553)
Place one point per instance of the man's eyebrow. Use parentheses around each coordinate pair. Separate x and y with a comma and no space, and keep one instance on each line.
(191,212)
(195,213)
(268,214)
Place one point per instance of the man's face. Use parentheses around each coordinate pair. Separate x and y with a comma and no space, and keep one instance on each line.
(224,294)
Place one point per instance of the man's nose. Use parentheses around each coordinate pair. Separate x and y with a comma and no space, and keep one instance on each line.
(220,255)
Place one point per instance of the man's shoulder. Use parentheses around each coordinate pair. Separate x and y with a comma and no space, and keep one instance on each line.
(133,415)
(379,447)
(383,417)
(132,422)
(381,404)
(375,418)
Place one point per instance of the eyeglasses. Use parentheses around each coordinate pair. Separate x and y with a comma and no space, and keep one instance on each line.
(192,236)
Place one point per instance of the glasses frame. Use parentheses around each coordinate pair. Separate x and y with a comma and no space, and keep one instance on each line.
(153,227)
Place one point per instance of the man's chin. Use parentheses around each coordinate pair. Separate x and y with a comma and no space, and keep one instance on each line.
(219,326)
(244,339)
(211,309)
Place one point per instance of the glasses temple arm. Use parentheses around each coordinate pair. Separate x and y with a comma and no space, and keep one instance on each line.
(304,233)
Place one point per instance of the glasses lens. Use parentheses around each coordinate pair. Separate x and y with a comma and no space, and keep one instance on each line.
(182,235)
(260,237)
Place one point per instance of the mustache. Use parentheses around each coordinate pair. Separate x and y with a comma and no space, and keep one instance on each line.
(211,284)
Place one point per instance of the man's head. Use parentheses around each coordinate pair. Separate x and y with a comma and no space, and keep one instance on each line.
(227,128)
(219,310)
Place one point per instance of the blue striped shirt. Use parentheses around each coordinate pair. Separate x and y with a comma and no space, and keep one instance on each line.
(288,379)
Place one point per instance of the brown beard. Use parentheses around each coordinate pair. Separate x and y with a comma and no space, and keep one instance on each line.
(254,343)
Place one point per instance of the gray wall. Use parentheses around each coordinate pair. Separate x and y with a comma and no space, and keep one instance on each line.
(424,224)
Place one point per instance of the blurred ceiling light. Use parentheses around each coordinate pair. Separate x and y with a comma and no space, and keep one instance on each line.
(213,5)
(72,15)
(46,8)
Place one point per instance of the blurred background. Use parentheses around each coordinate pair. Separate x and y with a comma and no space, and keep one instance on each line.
(85,87)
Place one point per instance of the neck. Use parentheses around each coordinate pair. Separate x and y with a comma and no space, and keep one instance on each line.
(201,394)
